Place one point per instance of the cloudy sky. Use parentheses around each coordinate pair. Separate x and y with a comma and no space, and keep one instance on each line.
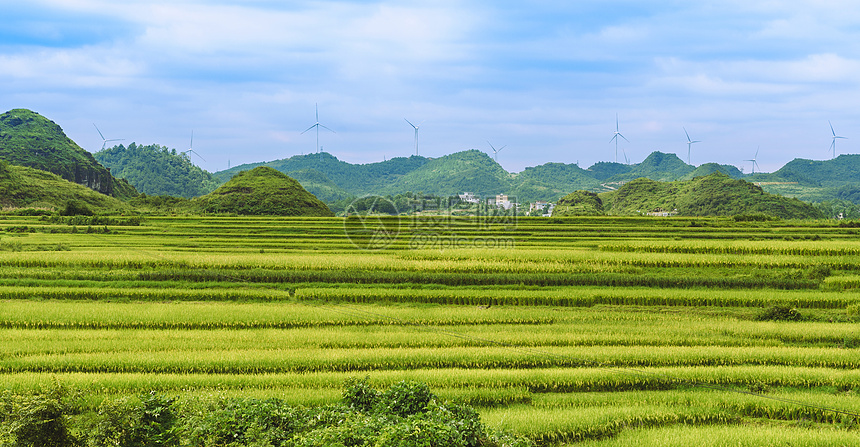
(544,78)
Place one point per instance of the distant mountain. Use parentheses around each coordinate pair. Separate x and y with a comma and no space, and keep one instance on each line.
(657,166)
(358,179)
(604,170)
(550,181)
(319,185)
(713,195)
(829,173)
(472,171)
(263,191)
(29,139)
(157,170)
(710,168)
(23,187)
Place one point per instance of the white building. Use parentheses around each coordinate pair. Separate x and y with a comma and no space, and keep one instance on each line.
(469,197)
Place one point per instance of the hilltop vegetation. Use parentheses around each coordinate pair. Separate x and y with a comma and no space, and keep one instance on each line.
(713,195)
(23,187)
(579,203)
(157,170)
(263,191)
(29,139)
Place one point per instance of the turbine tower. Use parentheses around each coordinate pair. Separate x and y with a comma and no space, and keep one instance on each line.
(755,164)
(689,144)
(615,137)
(191,149)
(496,151)
(317,125)
(416,133)
(105,141)
(833,144)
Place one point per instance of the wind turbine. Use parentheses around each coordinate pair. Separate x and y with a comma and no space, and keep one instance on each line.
(416,133)
(689,144)
(755,164)
(833,144)
(496,151)
(615,137)
(105,141)
(191,148)
(317,125)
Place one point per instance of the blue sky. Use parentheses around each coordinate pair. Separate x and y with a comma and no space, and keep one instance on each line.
(543,78)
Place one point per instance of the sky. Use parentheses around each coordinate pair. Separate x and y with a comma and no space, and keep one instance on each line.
(545,79)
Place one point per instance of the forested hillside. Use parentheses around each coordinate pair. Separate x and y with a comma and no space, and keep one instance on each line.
(157,170)
(713,195)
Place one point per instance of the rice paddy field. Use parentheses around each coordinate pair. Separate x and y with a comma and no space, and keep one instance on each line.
(587,331)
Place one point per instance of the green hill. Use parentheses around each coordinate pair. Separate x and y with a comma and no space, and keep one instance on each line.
(828,173)
(29,139)
(603,170)
(710,168)
(713,195)
(157,170)
(320,186)
(358,179)
(550,181)
(263,191)
(579,203)
(657,166)
(471,170)
(23,187)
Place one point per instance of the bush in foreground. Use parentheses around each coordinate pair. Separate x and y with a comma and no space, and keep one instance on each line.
(405,415)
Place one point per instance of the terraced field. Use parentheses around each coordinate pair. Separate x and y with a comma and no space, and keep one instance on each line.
(601,330)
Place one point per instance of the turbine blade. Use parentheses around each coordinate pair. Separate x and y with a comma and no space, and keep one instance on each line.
(500,149)
(317,110)
(410,123)
(625,138)
(103,137)
(685,133)
(309,128)
(326,128)
(831,128)
(195,153)
(192,139)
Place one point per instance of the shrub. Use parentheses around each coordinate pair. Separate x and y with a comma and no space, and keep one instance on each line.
(405,398)
(147,422)
(779,313)
(359,395)
(76,208)
(39,420)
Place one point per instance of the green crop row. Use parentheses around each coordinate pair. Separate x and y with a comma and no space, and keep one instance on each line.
(228,360)
(541,380)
